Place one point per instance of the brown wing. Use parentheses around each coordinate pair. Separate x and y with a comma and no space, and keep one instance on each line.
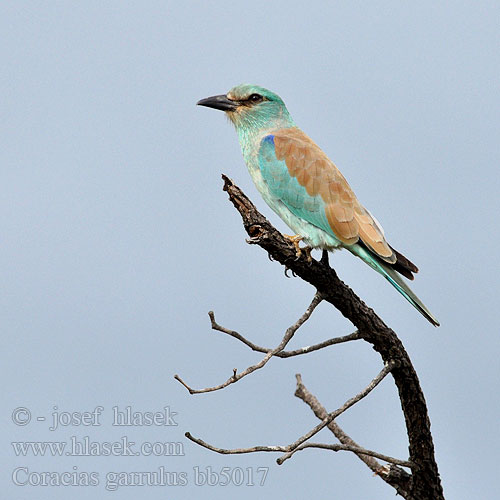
(348,219)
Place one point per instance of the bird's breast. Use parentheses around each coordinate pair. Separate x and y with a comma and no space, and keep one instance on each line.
(313,236)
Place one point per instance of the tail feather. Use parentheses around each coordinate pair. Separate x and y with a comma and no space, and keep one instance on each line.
(394,279)
(403,265)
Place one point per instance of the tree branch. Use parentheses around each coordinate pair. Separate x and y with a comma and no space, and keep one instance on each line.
(301,443)
(332,447)
(357,450)
(393,475)
(282,354)
(425,482)
(334,414)
(290,332)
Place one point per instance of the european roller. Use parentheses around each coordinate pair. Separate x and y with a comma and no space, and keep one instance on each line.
(304,187)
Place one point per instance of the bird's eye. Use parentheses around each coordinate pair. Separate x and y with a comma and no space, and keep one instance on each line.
(255,98)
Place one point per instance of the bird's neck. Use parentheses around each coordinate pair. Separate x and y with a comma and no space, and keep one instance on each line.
(250,134)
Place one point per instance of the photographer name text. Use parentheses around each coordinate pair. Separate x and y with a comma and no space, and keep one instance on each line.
(120,417)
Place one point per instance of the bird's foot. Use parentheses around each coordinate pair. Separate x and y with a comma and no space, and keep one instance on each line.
(296,239)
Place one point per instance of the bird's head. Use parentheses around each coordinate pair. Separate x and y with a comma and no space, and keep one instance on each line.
(251,106)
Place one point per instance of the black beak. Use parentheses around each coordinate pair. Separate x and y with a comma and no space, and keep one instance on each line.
(218,102)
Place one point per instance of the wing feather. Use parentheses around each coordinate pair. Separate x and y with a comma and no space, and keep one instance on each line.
(348,220)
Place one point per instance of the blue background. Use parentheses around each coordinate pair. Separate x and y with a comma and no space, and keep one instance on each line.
(116,239)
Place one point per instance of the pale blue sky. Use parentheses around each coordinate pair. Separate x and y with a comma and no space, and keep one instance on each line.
(116,239)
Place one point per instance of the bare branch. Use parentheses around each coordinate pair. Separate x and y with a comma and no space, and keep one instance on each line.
(236,451)
(290,332)
(282,354)
(320,411)
(393,475)
(332,447)
(356,449)
(301,444)
(334,414)
(316,347)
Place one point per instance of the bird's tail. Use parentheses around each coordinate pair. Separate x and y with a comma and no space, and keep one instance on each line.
(394,279)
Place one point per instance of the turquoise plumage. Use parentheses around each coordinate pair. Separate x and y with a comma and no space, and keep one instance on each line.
(303,186)
(288,189)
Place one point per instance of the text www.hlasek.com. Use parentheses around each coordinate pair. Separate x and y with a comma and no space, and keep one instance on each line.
(201,476)
(85,447)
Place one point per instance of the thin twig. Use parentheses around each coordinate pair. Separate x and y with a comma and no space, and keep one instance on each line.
(324,446)
(274,449)
(356,449)
(282,354)
(290,332)
(395,476)
(320,411)
(334,414)
(236,451)
(305,350)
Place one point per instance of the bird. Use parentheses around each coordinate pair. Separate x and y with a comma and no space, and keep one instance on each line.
(304,187)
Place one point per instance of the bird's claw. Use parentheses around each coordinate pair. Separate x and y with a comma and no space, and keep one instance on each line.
(295,240)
